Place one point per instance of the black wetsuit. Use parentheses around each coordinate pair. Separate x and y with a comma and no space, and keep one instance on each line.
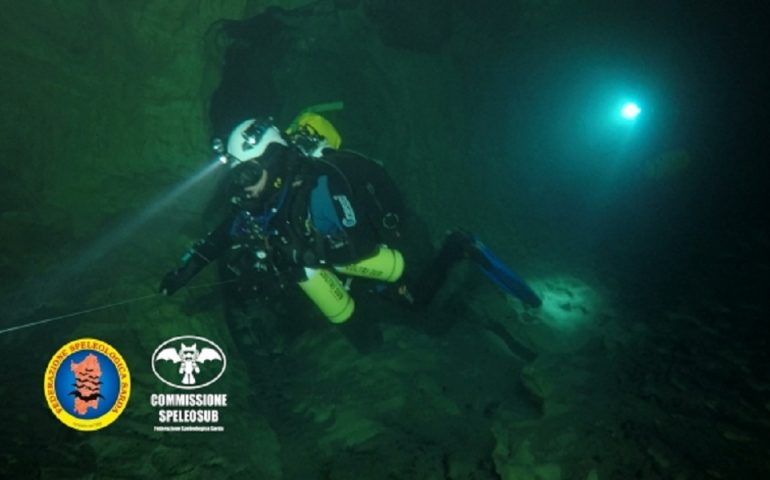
(335,210)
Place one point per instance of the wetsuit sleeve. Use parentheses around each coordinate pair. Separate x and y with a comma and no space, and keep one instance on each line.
(216,242)
(197,258)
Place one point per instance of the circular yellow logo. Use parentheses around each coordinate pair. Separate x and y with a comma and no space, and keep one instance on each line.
(87,384)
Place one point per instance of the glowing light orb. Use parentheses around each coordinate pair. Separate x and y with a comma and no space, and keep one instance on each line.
(630,111)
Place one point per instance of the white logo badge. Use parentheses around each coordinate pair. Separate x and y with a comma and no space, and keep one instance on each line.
(347,210)
(201,362)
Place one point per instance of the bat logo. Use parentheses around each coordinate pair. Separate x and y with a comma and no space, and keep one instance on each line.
(192,361)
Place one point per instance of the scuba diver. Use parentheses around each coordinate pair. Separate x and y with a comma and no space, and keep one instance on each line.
(304,211)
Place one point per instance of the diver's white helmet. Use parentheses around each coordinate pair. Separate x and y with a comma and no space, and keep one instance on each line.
(250,139)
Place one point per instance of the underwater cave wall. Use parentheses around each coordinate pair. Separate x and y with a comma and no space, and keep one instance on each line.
(103,107)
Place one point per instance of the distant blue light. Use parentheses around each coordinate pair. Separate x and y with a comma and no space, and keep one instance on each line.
(630,111)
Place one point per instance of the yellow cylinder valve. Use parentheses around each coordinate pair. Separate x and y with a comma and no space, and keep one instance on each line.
(386,265)
(329,295)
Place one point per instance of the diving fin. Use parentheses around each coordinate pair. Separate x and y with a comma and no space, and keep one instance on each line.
(500,274)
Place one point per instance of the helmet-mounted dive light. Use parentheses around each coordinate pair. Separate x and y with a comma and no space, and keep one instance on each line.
(218,147)
(253,134)
(250,139)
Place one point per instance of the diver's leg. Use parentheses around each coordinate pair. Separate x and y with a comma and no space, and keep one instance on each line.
(434,275)
(458,245)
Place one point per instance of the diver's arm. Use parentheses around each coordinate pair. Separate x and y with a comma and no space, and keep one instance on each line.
(201,254)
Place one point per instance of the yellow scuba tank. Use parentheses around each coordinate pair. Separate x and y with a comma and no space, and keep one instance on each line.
(386,265)
(327,292)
